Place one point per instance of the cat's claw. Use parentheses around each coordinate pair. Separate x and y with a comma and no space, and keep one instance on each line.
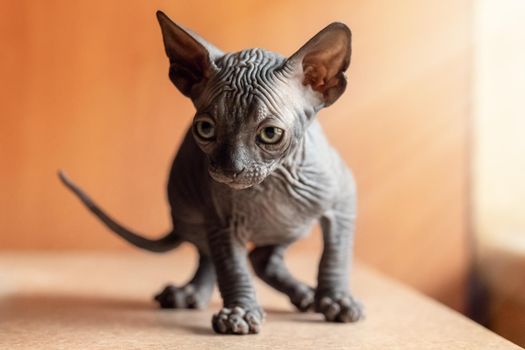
(303,299)
(340,308)
(185,297)
(238,320)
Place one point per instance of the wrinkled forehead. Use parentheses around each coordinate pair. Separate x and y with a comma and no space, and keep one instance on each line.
(248,84)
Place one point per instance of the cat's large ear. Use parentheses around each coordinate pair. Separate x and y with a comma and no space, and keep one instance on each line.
(322,62)
(191,57)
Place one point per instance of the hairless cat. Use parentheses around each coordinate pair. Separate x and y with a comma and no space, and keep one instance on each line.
(255,167)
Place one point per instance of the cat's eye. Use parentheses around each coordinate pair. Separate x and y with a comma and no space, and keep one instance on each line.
(271,135)
(205,129)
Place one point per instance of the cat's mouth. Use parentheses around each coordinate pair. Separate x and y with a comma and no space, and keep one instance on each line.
(238,186)
(235,183)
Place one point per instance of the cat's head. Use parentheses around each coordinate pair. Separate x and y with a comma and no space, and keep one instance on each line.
(254,106)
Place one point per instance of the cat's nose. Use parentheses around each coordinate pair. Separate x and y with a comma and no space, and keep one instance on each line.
(229,161)
(231,171)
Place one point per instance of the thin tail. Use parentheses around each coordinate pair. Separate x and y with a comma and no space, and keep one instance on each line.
(168,242)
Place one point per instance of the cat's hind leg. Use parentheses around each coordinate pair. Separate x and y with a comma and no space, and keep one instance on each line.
(195,294)
(268,264)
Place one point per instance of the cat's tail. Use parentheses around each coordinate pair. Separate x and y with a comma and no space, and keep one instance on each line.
(167,242)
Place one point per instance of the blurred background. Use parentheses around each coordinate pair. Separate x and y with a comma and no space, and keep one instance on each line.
(432,124)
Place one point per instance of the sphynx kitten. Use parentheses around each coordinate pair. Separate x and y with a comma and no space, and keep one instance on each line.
(255,167)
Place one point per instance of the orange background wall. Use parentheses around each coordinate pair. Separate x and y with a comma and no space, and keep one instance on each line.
(84,87)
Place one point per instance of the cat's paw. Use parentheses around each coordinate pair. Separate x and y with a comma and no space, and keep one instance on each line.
(340,307)
(303,298)
(186,297)
(238,320)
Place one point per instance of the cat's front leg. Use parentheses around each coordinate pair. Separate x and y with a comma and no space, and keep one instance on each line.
(332,297)
(241,314)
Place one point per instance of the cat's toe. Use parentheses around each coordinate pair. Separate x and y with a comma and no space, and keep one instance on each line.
(340,308)
(238,320)
(172,297)
(303,298)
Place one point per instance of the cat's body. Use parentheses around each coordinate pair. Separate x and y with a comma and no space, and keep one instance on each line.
(279,210)
(255,167)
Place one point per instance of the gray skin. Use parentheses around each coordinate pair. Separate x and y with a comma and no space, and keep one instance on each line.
(255,167)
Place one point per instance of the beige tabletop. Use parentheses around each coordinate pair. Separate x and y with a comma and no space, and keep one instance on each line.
(80,300)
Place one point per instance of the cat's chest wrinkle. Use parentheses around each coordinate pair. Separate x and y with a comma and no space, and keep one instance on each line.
(282,208)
